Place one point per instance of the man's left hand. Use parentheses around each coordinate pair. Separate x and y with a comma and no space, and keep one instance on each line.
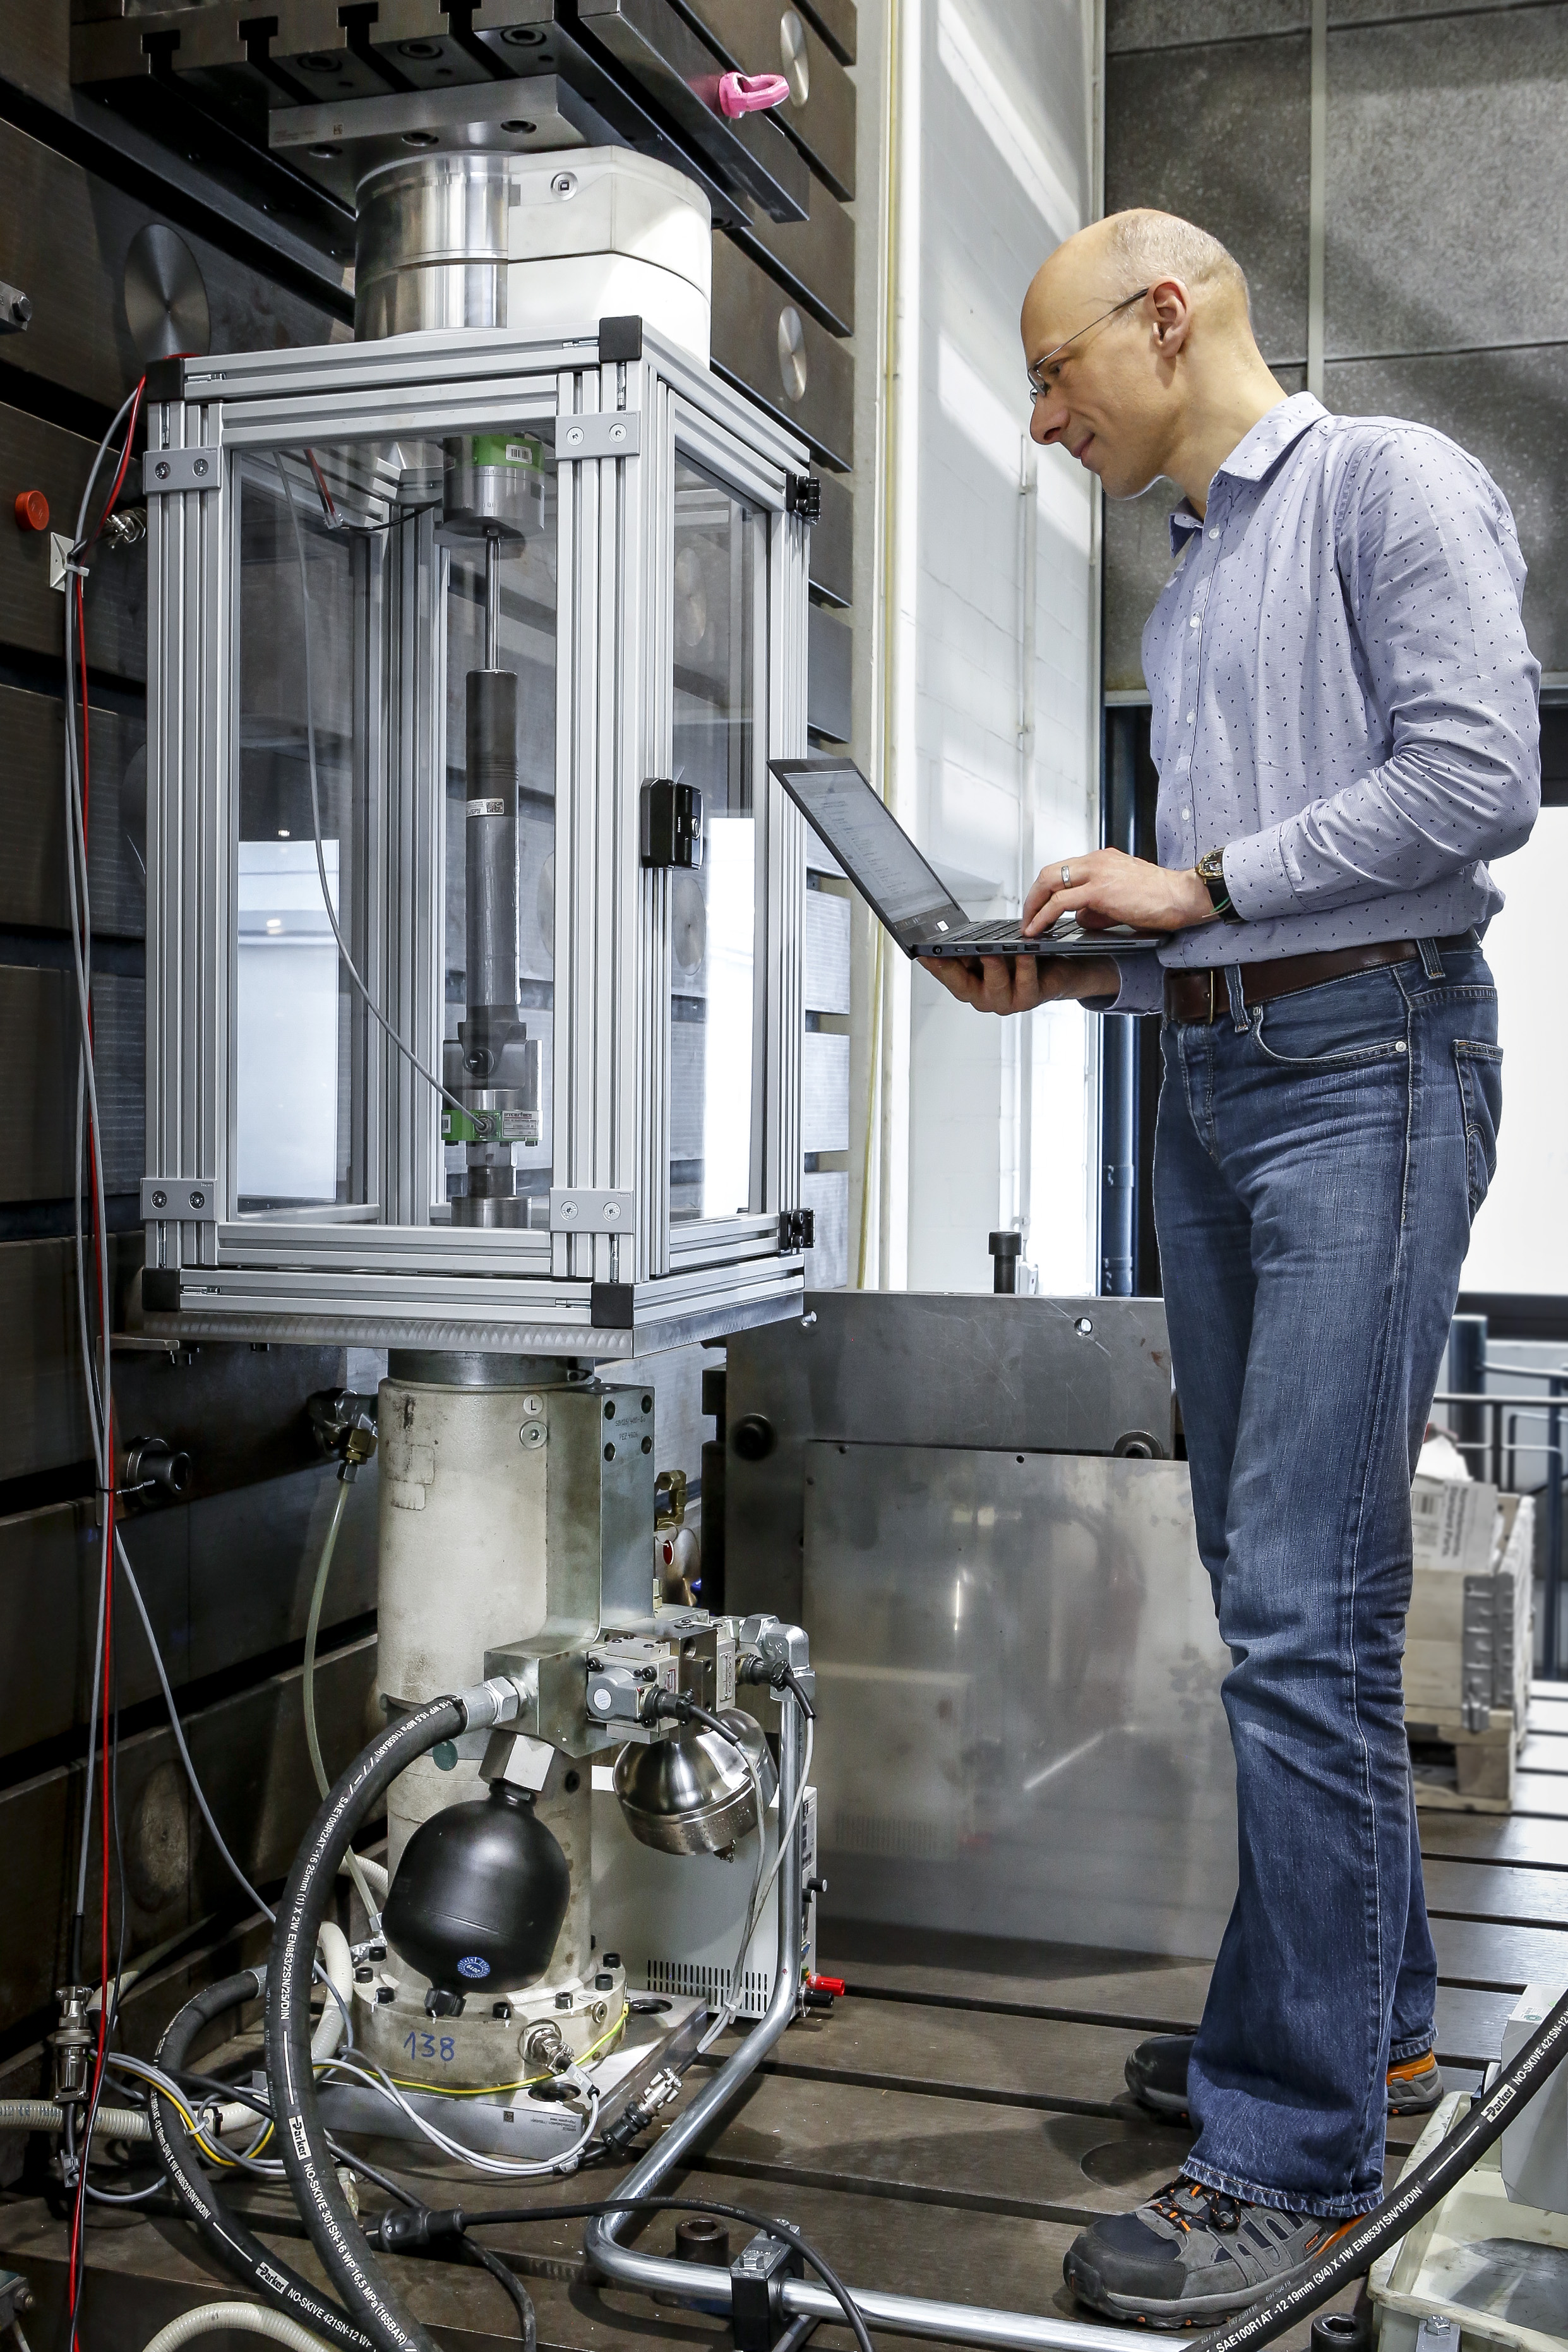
(1106,885)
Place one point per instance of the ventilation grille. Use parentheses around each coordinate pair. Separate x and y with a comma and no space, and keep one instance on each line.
(885,1833)
(699,1980)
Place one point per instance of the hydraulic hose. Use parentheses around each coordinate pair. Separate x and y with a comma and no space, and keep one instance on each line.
(1416,2194)
(334,2230)
(234,2244)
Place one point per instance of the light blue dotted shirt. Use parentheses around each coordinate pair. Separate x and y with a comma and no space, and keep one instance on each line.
(1343,697)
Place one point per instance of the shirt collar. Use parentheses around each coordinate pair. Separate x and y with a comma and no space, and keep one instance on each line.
(1253,455)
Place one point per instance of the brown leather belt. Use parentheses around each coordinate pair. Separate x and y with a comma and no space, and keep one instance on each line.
(1202,995)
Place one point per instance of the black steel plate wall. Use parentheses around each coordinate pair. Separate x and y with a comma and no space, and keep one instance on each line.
(835,20)
(33,822)
(757,331)
(223,1579)
(667,60)
(815,258)
(43,1422)
(250,1755)
(67,235)
(39,457)
(38,1033)
(832,542)
(759,38)
(830,683)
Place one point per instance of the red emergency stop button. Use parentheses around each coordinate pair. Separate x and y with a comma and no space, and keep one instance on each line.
(32,511)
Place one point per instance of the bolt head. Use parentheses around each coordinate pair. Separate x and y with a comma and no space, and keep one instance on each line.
(200,466)
(22,311)
(162,470)
(198,1200)
(160,1200)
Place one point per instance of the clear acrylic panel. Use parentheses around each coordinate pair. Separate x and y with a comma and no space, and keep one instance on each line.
(714,1067)
(341,553)
(295,1017)
(498,528)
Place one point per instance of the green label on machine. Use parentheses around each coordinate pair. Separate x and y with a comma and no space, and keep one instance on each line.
(508,449)
(490,1126)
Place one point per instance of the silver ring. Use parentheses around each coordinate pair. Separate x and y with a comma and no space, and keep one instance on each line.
(1067,878)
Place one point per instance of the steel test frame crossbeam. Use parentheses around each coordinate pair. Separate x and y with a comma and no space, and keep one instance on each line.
(391,1274)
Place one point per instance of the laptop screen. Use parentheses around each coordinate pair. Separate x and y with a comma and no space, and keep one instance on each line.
(867,840)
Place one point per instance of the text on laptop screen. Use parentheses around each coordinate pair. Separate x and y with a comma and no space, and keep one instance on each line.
(869,843)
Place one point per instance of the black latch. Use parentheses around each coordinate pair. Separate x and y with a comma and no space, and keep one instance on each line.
(803,496)
(161,1289)
(672,824)
(796,1231)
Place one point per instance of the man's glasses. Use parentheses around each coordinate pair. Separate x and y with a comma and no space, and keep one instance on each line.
(1037,388)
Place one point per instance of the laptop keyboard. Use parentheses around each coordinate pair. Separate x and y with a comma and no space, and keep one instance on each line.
(1006,928)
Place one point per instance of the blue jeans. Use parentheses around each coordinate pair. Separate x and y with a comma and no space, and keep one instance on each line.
(1318,1162)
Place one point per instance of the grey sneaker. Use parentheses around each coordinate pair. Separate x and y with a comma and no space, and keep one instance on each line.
(1156,2076)
(1191,2255)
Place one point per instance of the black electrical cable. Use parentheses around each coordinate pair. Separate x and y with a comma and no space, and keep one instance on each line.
(233,2243)
(334,2229)
(507,2280)
(454,2222)
(1417,2192)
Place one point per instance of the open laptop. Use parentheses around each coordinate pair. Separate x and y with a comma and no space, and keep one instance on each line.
(901,890)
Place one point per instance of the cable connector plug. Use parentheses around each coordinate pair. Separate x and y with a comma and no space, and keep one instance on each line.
(634,2119)
(411,2230)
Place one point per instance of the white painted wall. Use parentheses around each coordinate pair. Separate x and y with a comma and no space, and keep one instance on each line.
(979,699)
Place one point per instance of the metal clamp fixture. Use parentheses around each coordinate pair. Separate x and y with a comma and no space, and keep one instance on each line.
(179,469)
(178,1200)
(754,2278)
(582,1210)
(606,433)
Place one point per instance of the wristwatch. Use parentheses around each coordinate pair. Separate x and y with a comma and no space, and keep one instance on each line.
(1211,874)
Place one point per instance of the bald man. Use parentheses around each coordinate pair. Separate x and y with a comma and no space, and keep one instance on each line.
(1344,719)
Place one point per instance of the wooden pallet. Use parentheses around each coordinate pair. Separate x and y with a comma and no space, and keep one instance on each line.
(1485,1763)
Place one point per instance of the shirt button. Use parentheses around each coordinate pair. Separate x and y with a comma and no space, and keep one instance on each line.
(1187,812)
(1193,623)
(1214,534)
(1190,716)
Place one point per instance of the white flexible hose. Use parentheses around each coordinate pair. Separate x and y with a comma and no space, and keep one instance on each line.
(252,2318)
(332,1952)
(42,2115)
(374,1874)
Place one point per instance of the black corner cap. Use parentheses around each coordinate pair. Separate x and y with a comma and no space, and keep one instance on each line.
(620,338)
(610,1305)
(165,380)
(161,1289)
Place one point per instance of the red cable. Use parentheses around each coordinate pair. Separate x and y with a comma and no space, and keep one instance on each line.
(124,456)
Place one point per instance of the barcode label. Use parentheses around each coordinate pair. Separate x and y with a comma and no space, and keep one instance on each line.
(486,808)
